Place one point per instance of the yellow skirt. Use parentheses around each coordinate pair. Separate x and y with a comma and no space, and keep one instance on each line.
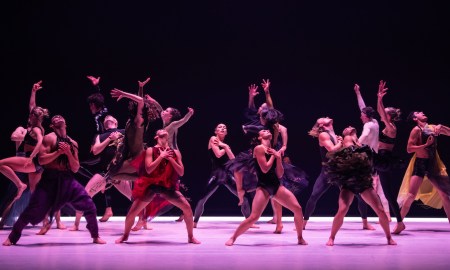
(427,192)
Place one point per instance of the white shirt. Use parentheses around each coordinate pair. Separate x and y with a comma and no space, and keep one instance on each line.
(370,134)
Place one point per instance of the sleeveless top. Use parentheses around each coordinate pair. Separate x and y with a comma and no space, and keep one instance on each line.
(269,179)
(28,140)
(386,139)
(323,150)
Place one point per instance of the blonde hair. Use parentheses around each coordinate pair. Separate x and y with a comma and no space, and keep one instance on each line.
(317,128)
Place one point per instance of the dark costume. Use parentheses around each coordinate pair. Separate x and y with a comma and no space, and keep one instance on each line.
(322,185)
(220,175)
(57,188)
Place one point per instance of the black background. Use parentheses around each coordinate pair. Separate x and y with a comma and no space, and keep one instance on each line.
(204,55)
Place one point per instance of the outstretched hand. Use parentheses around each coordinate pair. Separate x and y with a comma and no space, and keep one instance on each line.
(356,88)
(253,90)
(37,86)
(142,84)
(382,90)
(190,110)
(117,94)
(94,81)
(265,85)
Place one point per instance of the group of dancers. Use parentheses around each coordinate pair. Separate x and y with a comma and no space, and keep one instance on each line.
(144,163)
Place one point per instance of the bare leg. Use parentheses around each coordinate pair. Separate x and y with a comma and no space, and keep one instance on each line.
(108,213)
(345,200)
(183,204)
(142,222)
(136,207)
(414,185)
(34,179)
(445,201)
(278,214)
(285,198)
(59,224)
(76,224)
(259,203)
(371,198)
(240,191)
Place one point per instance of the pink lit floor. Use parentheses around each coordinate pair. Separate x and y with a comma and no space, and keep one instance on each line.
(425,244)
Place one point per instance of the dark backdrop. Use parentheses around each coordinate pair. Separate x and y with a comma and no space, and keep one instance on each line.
(205,54)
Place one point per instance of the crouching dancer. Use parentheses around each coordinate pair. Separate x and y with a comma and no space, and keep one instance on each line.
(159,169)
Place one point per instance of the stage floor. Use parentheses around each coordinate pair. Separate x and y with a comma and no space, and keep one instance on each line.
(424,244)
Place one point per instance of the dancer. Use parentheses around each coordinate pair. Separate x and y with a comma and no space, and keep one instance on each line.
(28,142)
(351,170)
(32,140)
(159,170)
(105,146)
(385,161)
(269,170)
(426,177)
(328,141)
(369,136)
(220,153)
(59,156)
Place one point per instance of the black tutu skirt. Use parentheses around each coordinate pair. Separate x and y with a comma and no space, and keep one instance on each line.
(294,178)
(350,168)
(244,163)
(386,160)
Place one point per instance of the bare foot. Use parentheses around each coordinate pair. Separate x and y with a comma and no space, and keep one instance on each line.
(330,242)
(278,229)
(399,228)
(139,225)
(302,241)
(122,239)
(193,240)
(74,228)
(240,194)
(254,226)
(181,218)
(44,229)
(230,242)
(60,225)
(367,226)
(195,224)
(7,242)
(20,190)
(106,216)
(100,241)
(304,224)
(272,221)
(391,242)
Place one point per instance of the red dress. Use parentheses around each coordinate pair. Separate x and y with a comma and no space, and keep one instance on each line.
(163,176)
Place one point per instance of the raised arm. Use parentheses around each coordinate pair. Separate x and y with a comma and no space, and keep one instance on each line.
(266,87)
(35,88)
(119,94)
(182,121)
(252,93)
(382,91)
(95,82)
(141,87)
(359,97)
